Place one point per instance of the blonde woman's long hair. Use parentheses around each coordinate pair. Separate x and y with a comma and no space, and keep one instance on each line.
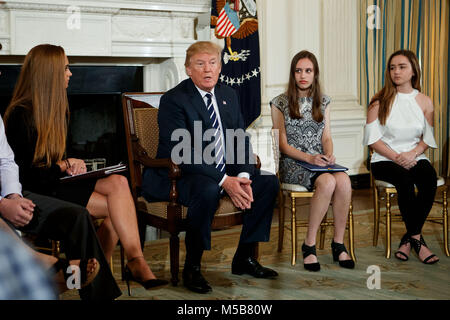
(385,96)
(41,87)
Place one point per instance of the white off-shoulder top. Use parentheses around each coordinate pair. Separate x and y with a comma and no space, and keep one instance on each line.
(405,126)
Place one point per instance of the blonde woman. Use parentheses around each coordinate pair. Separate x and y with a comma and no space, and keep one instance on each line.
(36,126)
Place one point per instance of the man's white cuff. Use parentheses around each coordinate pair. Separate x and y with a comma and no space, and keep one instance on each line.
(223,179)
(244,175)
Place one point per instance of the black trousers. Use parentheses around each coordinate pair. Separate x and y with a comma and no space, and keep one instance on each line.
(413,207)
(202,195)
(72,225)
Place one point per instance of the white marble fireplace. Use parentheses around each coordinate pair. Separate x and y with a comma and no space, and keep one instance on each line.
(154,34)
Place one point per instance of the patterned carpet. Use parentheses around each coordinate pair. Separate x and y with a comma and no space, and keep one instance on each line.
(398,280)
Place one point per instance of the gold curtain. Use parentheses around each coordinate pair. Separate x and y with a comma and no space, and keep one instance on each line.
(434,61)
(418,25)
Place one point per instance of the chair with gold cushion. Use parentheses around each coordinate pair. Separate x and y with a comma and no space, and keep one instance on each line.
(294,192)
(141,128)
(384,191)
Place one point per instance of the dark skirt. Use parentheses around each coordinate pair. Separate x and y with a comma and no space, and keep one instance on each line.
(78,192)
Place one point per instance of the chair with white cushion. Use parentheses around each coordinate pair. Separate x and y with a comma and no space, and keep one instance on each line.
(384,191)
(293,192)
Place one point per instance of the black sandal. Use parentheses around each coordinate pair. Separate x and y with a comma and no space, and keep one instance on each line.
(308,250)
(417,245)
(405,240)
(337,249)
(86,279)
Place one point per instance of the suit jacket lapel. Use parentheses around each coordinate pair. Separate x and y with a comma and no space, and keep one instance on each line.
(224,109)
(198,103)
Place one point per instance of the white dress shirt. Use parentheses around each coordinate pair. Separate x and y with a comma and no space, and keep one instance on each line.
(9,171)
(405,127)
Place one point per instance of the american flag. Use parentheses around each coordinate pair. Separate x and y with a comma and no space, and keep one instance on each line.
(228,22)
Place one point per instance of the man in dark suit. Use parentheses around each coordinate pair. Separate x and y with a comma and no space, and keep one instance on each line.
(215,158)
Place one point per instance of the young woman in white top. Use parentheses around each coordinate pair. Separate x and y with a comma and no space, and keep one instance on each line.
(399,130)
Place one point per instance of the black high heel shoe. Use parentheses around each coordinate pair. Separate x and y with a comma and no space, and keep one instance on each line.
(308,250)
(147,284)
(405,240)
(337,249)
(417,245)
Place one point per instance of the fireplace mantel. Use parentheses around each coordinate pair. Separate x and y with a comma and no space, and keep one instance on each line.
(126,28)
(157,31)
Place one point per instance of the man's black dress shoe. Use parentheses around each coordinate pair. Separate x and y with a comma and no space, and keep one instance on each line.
(251,267)
(194,281)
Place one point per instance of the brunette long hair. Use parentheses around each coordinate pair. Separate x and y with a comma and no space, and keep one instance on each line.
(314,92)
(385,96)
(41,87)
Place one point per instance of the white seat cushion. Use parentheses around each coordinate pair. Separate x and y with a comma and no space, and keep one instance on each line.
(380,183)
(293,187)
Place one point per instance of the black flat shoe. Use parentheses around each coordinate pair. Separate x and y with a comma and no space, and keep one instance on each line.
(398,254)
(308,250)
(194,280)
(337,249)
(252,267)
(147,284)
(417,245)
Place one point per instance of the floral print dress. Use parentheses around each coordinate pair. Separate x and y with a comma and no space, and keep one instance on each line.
(304,134)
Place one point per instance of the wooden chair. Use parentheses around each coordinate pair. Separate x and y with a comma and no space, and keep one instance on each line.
(141,128)
(384,191)
(294,192)
(52,247)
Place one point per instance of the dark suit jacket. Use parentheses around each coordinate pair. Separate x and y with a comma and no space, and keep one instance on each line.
(22,137)
(179,108)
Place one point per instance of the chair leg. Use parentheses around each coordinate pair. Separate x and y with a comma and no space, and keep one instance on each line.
(111,264)
(174,257)
(56,248)
(388,225)
(323,230)
(351,240)
(445,222)
(376,216)
(293,232)
(122,261)
(281,222)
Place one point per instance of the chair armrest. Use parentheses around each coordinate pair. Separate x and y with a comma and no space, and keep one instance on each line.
(258,161)
(141,156)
